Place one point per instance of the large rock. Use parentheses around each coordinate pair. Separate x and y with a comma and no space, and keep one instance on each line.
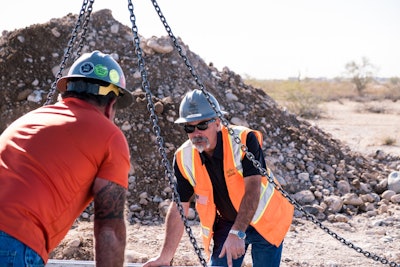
(394,181)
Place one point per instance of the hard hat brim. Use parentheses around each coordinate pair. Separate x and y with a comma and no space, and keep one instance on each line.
(198,117)
(125,100)
(62,82)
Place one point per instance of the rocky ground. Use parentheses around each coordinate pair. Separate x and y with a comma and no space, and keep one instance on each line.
(344,188)
(305,245)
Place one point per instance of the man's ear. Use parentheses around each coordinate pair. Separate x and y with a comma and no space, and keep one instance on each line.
(218,122)
(109,110)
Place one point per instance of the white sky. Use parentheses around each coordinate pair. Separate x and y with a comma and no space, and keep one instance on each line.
(264,39)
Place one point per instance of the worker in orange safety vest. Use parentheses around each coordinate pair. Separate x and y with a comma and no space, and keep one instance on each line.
(237,206)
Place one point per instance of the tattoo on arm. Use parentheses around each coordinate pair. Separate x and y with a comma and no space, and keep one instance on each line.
(109,202)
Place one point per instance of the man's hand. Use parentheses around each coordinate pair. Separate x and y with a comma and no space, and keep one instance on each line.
(173,234)
(233,248)
(157,262)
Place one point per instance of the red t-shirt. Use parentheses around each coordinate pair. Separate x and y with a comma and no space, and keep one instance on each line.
(49,159)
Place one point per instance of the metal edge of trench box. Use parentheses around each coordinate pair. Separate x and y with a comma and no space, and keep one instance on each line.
(75,263)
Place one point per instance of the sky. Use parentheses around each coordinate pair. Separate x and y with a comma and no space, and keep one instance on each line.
(262,39)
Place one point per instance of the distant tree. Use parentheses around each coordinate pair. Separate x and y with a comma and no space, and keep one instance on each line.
(361,73)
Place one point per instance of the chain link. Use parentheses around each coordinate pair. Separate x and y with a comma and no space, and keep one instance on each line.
(70,45)
(160,141)
(251,157)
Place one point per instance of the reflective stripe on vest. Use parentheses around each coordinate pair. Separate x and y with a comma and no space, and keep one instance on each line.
(266,189)
(186,159)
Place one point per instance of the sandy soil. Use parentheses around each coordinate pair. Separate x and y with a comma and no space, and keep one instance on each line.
(306,243)
(361,127)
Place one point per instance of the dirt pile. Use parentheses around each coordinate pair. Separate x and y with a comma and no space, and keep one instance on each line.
(318,171)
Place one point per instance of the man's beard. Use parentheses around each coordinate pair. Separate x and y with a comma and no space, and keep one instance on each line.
(201,143)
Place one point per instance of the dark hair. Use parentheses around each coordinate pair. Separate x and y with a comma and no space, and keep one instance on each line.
(80,86)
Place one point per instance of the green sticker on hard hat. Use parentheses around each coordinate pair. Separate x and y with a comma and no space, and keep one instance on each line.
(100,70)
(114,76)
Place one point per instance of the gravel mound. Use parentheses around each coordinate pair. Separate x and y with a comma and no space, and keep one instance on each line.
(320,173)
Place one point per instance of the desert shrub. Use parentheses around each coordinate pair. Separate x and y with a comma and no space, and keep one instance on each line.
(305,104)
(299,97)
(374,108)
(389,141)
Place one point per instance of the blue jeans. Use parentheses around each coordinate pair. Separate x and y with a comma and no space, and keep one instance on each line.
(14,253)
(263,253)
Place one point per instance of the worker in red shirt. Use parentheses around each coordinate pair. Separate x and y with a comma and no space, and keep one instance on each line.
(57,159)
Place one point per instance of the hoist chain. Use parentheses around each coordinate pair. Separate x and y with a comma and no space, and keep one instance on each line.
(71,43)
(160,141)
(251,157)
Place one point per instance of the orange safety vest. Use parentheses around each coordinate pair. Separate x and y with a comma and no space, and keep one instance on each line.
(274,213)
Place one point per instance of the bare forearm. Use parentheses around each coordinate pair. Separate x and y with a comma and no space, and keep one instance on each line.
(109,223)
(248,205)
(110,246)
(173,232)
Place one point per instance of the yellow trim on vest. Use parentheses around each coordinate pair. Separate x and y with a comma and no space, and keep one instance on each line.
(188,162)
(205,231)
(267,192)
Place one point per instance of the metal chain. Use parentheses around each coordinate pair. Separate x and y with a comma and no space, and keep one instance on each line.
(160,141)
(251,157)
(70,46)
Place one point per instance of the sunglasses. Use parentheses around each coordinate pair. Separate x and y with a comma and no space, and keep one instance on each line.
(202,126)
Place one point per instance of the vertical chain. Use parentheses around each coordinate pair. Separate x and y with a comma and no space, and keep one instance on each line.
(70,45)
(153,117)
(82,40)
